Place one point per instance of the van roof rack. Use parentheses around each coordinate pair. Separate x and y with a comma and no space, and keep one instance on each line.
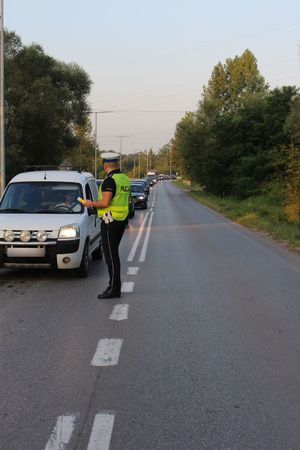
(35,167)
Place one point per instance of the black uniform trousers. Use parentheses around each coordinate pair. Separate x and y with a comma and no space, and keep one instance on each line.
(111,234)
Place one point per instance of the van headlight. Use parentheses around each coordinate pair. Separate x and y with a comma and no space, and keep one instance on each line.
(9,235)
(41,236)
(69,231)
(25,236)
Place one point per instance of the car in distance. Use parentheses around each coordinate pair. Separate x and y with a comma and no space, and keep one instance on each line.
(138,193)
(44,225)
(145,185)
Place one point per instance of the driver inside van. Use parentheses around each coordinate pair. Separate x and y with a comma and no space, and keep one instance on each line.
(70,202)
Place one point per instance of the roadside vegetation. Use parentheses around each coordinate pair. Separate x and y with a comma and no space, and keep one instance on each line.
(263,213)
(240,150)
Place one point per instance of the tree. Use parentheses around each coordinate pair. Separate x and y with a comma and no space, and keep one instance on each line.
(250,140)
(45,100)
(186,146)
(163,159)
(292,166)
(83,156)
(235,81)
(293,121)
(238,140)
(292,187)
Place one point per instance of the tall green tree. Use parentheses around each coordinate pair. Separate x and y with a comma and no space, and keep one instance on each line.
(293,121)
(187,146)
(83,156)
(235,81)
(165,159)
(45,100)
(292,164)
(234,142)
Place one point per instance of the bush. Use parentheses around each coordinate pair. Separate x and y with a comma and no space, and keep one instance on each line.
(292,192)
(243,187)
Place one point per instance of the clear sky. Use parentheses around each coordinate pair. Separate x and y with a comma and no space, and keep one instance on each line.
(156,55)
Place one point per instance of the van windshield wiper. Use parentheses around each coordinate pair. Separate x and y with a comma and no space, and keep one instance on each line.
(12,210)
(49,211)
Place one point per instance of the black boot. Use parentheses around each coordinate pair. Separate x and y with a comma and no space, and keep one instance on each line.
(110,293)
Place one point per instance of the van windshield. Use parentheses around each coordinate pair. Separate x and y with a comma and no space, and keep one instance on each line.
(42,198)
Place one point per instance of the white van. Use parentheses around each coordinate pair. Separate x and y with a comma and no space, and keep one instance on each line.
(42,224)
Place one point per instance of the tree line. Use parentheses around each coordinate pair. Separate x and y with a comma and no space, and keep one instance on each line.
(244,138)
(46,111)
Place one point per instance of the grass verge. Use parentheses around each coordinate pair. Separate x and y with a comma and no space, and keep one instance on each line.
(260,213)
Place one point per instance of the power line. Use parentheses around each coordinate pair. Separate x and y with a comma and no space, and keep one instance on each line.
(145,111)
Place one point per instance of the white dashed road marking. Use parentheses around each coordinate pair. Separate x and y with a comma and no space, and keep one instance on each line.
(137,240)
(132,270)
(127,286)
(107,352)
(101,432)
(120,312)
(62,432)
(145,245)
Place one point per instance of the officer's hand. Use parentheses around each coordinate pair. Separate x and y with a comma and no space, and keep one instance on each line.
(88,204)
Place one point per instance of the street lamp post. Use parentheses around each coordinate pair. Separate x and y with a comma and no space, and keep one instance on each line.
(95,155)
(2,146)
(133,165)
(121,141)
(136,151)
(147,165)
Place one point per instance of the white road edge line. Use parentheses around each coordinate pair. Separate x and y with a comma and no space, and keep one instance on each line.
(127,286)
(120,312)
(101,432)
(137,240)
(145,245)
(107,352)
(62,432)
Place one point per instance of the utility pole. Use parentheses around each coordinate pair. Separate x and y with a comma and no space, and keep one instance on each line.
(95,155)
(136,152)
(2,142)
(133,165)
(96,136)
(147,161)
(139,164)
(121,141)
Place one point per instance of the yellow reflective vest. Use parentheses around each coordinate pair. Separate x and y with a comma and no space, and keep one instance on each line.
(119,204)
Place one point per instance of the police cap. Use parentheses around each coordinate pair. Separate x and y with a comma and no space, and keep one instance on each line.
(110,157)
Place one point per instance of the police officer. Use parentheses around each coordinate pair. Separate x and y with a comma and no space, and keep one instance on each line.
(112,206)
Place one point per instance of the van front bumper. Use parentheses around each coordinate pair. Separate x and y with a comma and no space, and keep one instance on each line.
(38,255)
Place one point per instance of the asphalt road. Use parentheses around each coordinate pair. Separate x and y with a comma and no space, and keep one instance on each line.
(201,352)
